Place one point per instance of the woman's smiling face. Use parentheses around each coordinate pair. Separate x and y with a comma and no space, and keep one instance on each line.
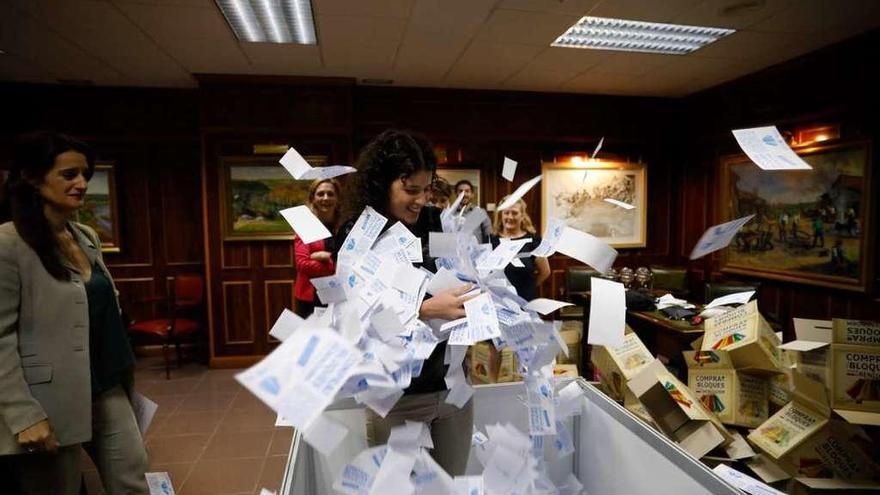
(408,195)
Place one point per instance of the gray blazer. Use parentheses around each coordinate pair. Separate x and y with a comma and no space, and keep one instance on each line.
(44,343)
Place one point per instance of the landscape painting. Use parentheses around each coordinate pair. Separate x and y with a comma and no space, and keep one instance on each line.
(810,226)
(577,195)
(255,192)
(100,210)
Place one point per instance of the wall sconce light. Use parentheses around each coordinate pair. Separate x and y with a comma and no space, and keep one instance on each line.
(811,135)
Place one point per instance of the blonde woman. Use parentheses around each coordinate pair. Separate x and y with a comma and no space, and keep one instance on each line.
(512,224)
(314,260)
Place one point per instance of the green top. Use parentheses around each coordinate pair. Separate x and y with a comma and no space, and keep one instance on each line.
(110,357)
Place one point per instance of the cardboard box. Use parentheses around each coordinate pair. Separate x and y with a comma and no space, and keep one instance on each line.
(617,365)
(794,424)
(632,404)
(747,338)
(677,412)
(850,373)
(571,335)
(736,397)
(565,370)
(489,365)
(835,451)
(817,486)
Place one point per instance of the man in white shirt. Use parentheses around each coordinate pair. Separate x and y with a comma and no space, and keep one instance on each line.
(467,208)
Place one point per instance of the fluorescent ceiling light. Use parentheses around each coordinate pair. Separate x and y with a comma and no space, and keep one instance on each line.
(270,21)
(600,33)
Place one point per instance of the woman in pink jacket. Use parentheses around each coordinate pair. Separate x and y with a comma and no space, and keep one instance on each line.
(314,260)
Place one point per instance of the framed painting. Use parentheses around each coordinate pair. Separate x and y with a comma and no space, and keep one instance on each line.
(453,175)
(100,209)
(253,190)
(575,192)
(810,226)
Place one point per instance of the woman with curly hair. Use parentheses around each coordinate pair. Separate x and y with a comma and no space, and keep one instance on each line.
(395,175)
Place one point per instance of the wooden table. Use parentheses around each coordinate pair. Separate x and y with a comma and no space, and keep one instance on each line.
(663,337)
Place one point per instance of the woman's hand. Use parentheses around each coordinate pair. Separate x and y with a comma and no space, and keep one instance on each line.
(321,256)
(446,305)
(39,437)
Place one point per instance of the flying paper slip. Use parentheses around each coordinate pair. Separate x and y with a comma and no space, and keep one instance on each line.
(299,168)
(768,149)
(502,255)
(625,206)
(285,325)
(307,226)
(718,237)
(607,313)
(545,306)
(362,236)
(587,249)
(598,147)
(738,298)
(552,234)
(509,169)
(144,410)
(519,193)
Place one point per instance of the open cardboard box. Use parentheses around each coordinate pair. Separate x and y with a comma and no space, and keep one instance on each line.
(803,440)
(489,365)
(815,486)
(747,338)
(616,365)
(736,397)
(676,410)
(844,355)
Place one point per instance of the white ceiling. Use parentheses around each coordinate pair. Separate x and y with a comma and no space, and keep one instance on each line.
(485,44)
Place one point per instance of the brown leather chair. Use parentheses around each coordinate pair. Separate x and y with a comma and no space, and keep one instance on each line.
(188,293)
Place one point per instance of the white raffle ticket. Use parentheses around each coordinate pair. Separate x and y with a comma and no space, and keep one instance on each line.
(362,236)
(587,249)
(718,237)
(552,234)
(766,147)
(502,255)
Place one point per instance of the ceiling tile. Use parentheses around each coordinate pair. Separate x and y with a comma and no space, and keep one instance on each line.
(711,13)
(270,58)
(643,10)
(436,35)
(490,62)
(526,28)
(633,64)
(815,16)
(359,42)
(180,22)
(364,8)
(578,8)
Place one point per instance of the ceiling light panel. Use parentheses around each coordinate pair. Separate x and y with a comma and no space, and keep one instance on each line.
(601,33)
(270,21)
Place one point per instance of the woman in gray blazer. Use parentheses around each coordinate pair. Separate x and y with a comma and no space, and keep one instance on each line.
(65,362)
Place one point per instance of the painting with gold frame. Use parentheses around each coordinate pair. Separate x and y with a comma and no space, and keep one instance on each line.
(100,209)
(810,226)
(253,190)
(575,192)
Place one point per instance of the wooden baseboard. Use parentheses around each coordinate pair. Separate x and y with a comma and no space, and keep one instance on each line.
(234,361)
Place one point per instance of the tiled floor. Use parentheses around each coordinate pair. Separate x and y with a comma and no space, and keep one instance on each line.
(210,434)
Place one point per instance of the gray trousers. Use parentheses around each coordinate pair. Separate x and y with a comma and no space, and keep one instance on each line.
(451,427)
(116,448)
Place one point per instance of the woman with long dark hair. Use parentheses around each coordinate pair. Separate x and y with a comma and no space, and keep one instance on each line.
(66,367)
(315,259)
(395,175)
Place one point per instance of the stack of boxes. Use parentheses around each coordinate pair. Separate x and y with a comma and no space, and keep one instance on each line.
(801,405)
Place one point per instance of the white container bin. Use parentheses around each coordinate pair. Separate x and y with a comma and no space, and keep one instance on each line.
(615,451)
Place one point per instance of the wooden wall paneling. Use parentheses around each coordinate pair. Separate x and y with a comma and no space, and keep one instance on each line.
(180,201)
(236,254)
(278,254)
(238,312)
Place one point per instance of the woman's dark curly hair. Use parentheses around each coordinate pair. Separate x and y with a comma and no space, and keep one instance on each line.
(20,199)
(392,155)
